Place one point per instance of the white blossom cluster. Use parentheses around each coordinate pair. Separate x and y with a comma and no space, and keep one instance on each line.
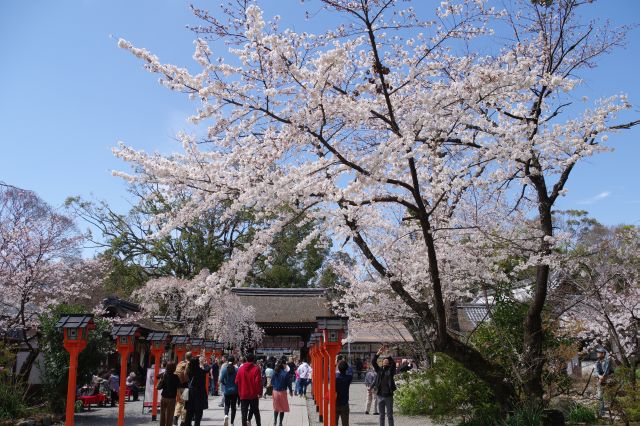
(389,136)
(218,316)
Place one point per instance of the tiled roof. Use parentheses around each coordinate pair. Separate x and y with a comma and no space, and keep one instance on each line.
(378,332)
(74,321)
(285,305)
(124,330)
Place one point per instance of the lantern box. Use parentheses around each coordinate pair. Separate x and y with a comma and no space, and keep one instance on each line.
(76,326)
(158,339)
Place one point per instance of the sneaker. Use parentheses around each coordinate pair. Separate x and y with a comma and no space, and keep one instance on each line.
(366,412)
(226,420)
(376,414)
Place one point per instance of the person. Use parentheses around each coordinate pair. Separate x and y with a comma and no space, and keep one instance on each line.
(222,368)
(268,374)
(181,372)
(297,386)
(603,371)
(304,371)
(229,389)
(349,368)
(359,367)
(369,381)
(169,384)
(249,383)
(343,382)
(197,371)
(214,374)
(132,385)
(280,381)
(114,387)
(405,367)
(385,385)
(292,374)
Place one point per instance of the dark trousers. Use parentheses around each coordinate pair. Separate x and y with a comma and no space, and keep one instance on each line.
(342,411)
(230,402)
(114,397)
(303,385)
(193,415)
(250,405)
(385,406)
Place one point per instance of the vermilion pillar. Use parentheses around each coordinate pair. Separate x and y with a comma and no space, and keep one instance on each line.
(157,341)
(74,349)
(332,348)
(325,384)
(125,335)
(75,333)
(157,355)
(124,351)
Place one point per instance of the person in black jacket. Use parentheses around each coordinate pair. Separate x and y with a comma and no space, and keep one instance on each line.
(385,385)
(198,396)
(169,383)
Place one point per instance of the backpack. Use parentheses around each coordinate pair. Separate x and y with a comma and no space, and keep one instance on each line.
(181,372)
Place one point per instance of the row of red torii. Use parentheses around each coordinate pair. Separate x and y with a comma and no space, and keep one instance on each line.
(324,346)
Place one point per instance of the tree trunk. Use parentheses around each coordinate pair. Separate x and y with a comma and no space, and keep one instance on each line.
(492,374)
(533,357)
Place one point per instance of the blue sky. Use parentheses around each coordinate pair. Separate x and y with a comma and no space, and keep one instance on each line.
(69,94)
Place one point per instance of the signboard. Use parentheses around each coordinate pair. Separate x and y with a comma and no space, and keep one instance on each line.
(148,389)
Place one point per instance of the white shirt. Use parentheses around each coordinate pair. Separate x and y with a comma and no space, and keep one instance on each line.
(304,371)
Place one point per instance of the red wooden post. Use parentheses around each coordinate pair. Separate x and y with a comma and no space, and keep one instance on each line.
(76,332)
(332,329)
(124,357)
(325,385)
(333,349)
(125,335)
(158,340)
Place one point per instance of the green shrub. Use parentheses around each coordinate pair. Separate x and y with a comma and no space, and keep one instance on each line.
(623,394)
(582,414)
(444,391)
(524,416)
(11,404)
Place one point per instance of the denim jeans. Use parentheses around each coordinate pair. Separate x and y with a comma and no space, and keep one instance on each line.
(385,406)
(303,386)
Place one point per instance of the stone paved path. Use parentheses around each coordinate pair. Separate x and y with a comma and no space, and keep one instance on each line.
(357,417)
(214,416)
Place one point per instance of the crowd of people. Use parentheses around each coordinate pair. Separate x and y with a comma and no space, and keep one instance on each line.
(242,382)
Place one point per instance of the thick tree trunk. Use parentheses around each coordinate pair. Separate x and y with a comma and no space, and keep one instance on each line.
(533,357)
(492,374)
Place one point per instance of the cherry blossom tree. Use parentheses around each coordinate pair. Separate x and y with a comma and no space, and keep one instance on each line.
(39,265)
(606,309)
(186,303)
(422,158)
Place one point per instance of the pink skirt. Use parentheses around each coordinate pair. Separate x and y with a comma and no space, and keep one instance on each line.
(280,401)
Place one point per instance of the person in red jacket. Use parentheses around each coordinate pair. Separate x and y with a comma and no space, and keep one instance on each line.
(249,381)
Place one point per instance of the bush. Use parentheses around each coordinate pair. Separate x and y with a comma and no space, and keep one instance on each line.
(11,404)
(447,390)
(582,414)
(524,416)
(623,394)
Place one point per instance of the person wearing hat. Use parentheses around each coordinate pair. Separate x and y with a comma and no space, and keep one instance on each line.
(603,370)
